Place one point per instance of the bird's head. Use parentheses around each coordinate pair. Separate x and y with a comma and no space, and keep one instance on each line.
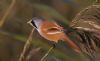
(36,22)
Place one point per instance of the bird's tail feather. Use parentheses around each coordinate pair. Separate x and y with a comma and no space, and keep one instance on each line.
(71,44)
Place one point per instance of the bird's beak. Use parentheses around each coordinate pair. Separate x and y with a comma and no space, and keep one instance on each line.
(32,24)
(29,22)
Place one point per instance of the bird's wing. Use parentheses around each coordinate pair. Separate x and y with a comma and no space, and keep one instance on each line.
(54,30)
(87,26)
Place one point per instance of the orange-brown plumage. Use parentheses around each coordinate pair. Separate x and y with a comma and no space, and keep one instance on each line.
(51,31)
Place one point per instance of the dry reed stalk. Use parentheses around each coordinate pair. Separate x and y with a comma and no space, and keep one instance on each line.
(42,59)
(7,13)
(26,45)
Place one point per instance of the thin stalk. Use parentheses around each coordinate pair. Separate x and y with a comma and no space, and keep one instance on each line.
(26,46)
(42,59)
(6,14)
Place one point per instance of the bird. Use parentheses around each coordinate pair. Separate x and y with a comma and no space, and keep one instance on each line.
(51,31)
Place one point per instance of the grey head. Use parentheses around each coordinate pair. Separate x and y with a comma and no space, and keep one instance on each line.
(36,22)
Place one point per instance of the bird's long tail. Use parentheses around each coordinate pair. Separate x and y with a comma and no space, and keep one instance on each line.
(71,44)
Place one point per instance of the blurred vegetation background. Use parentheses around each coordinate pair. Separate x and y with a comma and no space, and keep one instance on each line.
(14,29)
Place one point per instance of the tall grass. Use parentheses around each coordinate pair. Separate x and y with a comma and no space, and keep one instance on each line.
(7,12)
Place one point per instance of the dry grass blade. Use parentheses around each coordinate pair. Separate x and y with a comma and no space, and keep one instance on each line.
(26,45)
(7,12)
(42,59)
